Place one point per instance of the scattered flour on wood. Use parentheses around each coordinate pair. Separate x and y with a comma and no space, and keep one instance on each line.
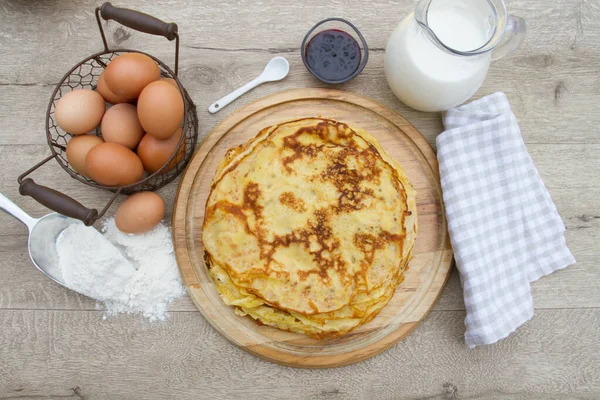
(128,273)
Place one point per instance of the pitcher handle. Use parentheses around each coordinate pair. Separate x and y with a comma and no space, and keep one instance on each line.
(514,35)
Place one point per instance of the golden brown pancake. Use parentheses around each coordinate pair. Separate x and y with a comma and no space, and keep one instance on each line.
(309,227)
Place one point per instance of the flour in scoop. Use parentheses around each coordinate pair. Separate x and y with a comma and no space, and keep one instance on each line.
(128,273)
(91,265)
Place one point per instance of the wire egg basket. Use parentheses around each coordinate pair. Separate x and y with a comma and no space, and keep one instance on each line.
(85,75)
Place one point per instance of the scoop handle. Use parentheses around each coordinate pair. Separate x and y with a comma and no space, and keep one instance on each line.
(59,202)
(139,21)
(14,210)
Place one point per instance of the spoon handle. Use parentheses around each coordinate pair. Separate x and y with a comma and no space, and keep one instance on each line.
(12,209)
(219,104)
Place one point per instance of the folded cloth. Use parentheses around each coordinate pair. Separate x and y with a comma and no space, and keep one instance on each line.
(504,228)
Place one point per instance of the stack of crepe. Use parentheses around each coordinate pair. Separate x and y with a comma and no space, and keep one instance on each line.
(309,227)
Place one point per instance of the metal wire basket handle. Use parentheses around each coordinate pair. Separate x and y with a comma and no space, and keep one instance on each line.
(60,202)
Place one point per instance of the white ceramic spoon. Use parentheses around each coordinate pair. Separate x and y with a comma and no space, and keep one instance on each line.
(276,70)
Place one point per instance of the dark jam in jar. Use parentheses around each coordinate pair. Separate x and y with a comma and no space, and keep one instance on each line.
(333,55)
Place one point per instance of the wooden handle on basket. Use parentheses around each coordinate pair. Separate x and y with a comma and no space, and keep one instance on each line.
(59,202)
(139,21)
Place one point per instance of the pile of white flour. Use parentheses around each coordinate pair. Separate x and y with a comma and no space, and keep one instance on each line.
(128,273)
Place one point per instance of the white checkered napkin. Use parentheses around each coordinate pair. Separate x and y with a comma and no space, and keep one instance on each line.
(504,227)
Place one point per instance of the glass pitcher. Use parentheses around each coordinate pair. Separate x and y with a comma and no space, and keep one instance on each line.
(438,56)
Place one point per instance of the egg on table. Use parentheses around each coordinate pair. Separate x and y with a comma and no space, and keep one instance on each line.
(128,74)
(112,164)
(79,111)
(107,94)
(160,109)
(120,124)
(154,153)
(77,150)
(140,212)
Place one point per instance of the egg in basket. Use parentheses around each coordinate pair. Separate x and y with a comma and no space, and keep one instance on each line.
(119,120)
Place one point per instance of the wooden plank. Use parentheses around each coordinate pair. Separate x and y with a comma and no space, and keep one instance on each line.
(52,354)
(16,159)
(573,180)
(549,78)
(561,166)
(70,30)
(27,288)
(30,289)
(209,74)
(577,285)
(24,287)
(574,287)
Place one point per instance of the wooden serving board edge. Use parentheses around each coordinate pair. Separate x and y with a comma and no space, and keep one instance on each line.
(186,270)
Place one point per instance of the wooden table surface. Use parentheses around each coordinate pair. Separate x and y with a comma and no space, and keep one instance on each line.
(54,344)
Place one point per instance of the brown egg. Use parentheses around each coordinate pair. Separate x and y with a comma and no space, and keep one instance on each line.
(79,111)
(154,153)
(170,81)
(128,74)
(78,148)
(107,94)
(112,164)
(160,109)
(120,124)
(140,212)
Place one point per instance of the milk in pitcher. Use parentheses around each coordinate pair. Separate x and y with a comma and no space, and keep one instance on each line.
(428,76)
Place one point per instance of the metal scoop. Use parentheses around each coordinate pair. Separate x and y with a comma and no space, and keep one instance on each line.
(42,237)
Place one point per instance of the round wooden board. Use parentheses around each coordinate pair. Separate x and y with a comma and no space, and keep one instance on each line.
(432,255)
